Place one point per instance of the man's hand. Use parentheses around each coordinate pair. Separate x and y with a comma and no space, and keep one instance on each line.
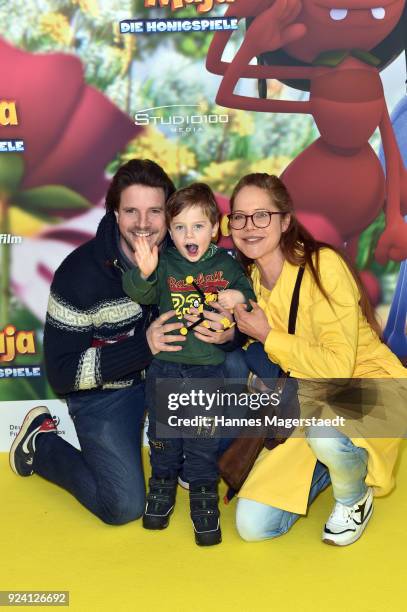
(156,334)
(146,258)
(207,330)
(254,323)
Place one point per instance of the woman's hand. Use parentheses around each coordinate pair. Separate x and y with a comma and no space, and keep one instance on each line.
(254,323)
(216,321)
(156,334)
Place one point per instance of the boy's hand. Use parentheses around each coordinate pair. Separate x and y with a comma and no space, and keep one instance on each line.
(215,331)
(230,298)
(146,258)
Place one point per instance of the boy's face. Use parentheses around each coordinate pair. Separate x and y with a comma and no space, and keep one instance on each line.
(192,232)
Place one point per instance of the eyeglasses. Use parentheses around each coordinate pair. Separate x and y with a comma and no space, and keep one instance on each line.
(260,219)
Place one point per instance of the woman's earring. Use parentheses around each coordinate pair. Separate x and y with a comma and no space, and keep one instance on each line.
(224,226)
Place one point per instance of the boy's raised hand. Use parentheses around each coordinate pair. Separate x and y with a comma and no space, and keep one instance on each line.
(146,258)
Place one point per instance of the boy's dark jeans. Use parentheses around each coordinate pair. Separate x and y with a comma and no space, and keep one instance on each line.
(196,457)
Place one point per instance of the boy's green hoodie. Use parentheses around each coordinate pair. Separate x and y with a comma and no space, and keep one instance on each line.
(168,287)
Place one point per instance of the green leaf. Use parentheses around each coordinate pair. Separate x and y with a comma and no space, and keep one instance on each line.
(368,242)
(240,148)
(17,389)
(50,198)
(11,173)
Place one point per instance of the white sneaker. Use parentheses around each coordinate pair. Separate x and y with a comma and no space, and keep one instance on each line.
(347,523)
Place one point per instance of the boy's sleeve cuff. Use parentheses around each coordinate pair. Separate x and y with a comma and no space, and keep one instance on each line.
(152,278)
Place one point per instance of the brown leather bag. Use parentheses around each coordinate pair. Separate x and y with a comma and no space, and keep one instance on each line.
(237,461)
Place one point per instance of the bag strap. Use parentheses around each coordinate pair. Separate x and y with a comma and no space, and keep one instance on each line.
(292,319)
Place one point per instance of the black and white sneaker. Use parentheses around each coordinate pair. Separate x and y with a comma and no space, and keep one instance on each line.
(37,421)
(160,503)
(347,523)
(203,499)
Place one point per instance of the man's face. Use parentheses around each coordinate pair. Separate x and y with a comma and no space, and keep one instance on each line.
(141,213)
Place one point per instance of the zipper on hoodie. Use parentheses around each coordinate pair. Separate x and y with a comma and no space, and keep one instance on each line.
(118,266)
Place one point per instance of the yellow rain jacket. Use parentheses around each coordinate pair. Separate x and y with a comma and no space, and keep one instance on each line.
(330,341)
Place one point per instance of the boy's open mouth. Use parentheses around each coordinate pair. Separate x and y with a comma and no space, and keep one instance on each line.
(192,249)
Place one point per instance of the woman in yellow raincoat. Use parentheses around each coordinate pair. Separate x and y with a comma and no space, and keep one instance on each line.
(336,337)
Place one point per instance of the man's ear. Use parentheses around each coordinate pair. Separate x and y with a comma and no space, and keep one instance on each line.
(116,214)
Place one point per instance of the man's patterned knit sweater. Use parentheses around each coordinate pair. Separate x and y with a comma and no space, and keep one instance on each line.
(95,336)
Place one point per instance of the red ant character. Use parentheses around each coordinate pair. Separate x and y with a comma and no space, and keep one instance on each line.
(335,48)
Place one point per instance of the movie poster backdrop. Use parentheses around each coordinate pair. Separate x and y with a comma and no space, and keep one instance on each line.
(88,84)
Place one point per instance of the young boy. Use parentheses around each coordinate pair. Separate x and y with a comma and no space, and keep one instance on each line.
(192,217)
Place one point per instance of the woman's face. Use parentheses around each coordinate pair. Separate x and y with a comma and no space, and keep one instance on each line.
(254,242)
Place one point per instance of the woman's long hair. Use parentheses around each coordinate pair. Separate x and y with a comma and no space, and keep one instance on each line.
(297,244)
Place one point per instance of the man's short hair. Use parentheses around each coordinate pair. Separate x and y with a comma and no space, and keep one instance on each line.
(137,172)
(197,194)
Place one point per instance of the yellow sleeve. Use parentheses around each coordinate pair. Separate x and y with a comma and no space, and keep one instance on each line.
(329,349)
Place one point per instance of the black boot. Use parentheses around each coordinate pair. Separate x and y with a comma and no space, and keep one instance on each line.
(203,499)
(160,503)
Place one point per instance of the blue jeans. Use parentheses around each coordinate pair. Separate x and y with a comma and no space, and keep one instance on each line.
(106,475)
(196,458)
(259,363)
(240,362)
(339,462)
(235,365)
